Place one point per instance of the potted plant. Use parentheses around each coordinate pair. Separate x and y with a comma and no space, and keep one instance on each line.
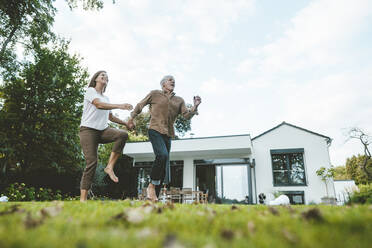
(326,174)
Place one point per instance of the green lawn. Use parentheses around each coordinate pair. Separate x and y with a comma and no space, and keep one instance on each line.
(138,224)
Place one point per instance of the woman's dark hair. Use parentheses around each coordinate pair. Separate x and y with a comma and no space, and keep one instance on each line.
(93,80)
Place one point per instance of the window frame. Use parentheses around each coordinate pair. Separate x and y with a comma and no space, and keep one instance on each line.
(290,195)
(288,152)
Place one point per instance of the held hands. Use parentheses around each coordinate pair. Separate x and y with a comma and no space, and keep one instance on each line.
(130,124)
(126,106)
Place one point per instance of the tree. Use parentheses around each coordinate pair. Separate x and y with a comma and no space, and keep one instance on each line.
(182,125)
(40,97)
(40,118)
(24,22)
(325,175)
(365,139)
(355,171)
(341,173)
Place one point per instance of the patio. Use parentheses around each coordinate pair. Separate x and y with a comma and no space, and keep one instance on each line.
(177,195)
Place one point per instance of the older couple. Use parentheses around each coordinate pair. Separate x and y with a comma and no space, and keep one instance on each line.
(165,106)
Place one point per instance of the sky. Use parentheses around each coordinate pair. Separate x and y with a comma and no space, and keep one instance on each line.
(254,63)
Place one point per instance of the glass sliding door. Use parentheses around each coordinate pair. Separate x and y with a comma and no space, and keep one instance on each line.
(225,180)
(231,183)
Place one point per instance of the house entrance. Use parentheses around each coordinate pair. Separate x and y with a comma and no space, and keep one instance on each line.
(225,180)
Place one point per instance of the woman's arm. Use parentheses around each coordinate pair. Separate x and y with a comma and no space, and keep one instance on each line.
(115,119)
(108,106)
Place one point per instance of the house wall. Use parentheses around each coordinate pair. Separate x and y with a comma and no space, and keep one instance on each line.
(316,155)
(343,189)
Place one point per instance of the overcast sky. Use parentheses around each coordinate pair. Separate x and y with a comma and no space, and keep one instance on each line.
(254,63)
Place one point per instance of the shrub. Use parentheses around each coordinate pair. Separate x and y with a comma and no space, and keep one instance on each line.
(100,182)
(363,195)
(20,192)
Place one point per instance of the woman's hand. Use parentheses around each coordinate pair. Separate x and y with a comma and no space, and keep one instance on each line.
(126,106)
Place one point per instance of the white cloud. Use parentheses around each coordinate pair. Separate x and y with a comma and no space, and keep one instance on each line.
(211,19)
(315,39)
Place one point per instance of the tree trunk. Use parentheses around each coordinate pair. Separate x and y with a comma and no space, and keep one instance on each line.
(325,182)
(6,42)
(367,157)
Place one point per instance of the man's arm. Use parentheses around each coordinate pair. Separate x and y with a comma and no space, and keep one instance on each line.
(188,114)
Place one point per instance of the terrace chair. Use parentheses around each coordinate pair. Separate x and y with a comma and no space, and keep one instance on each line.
(188,195)
(164,195)
(175,194)
(142,195)
(204,197)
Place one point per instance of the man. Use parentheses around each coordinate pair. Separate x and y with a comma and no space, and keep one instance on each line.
(165,106)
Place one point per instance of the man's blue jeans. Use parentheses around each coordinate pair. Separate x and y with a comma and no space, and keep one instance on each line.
(161,145)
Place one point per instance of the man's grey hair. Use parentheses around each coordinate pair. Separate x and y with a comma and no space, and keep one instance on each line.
(165,78)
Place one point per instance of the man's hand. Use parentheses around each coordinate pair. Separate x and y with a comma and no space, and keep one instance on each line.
(126,106)
(130,124)
(197,101)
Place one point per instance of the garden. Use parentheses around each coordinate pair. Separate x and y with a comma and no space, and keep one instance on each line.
(132,223)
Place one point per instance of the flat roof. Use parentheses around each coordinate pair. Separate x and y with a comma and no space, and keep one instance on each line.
(231,146)
(193,138)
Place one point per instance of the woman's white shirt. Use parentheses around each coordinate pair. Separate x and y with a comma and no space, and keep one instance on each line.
(93,117)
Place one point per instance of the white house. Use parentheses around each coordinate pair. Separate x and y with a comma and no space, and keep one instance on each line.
(237,168)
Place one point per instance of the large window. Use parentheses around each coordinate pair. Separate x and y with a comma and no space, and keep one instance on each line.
(288,167)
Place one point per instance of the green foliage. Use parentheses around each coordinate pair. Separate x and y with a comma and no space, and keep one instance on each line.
(40,118)
(136,224)
(87,4)
(133,137)
(23,22)
(104,151)
(325,173)
(363,195)
(100,181)
(354,168)
(341,173)
(142,124)
(20,192)
(29,23)
(182,125)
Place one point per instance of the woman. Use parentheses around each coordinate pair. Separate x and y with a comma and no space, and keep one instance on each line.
(94,130)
